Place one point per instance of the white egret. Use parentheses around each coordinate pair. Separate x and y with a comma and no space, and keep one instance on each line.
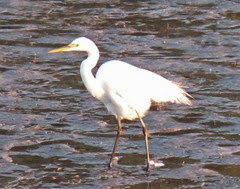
(125,90)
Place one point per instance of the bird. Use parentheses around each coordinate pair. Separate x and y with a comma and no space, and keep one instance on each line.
(126,91)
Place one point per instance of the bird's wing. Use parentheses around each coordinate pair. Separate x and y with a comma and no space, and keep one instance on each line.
(139,84)
(122,82)
(164,90)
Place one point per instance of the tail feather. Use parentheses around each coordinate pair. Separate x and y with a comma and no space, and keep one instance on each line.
(171,92)
(184,98)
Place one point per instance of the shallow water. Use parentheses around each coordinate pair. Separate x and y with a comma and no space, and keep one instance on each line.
(55,135)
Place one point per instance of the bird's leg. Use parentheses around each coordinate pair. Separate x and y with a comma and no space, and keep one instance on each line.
(119,132)
(145,133)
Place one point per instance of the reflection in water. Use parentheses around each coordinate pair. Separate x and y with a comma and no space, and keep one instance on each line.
(53,134)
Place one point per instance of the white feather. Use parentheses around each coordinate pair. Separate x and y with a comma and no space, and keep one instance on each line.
(132,89)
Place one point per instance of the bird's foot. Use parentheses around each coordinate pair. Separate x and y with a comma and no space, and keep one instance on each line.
(109,165)
(147,168)
(110,162)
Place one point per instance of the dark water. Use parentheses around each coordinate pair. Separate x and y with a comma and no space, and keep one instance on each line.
(53,134)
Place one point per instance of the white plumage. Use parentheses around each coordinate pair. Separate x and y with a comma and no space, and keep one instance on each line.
(126,91)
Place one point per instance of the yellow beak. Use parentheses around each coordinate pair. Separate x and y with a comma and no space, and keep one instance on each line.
(62,49)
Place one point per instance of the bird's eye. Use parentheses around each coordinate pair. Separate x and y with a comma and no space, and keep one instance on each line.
(74,45)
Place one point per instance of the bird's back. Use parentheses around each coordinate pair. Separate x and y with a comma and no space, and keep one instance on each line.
(128,88)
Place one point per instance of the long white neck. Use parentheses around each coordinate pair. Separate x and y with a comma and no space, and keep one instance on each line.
(90,82)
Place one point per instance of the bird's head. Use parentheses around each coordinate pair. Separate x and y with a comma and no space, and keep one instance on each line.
(79,44)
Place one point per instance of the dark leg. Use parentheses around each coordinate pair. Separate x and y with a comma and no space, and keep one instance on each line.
(116,143)
(145,133)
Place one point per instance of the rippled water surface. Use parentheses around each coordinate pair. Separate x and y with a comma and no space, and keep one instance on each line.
(53,134)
